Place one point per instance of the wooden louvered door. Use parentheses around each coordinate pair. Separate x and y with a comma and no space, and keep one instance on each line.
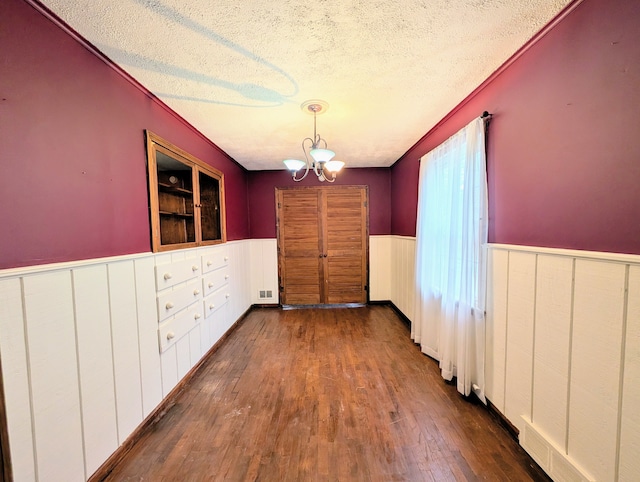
(322,245)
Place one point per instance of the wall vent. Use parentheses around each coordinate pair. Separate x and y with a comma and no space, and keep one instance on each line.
(265,294)
(550,457)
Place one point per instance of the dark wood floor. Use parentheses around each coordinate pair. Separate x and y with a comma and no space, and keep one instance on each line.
(324,395)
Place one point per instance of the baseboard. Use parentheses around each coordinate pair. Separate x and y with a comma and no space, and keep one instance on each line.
(397,310)
(266,305)
(162,409)
(504,421)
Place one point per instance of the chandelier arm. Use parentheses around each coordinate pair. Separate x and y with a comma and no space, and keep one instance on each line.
(316,142)
(327,178)
(307,167)
(303,176)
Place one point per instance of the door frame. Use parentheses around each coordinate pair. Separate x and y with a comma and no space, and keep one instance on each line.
(366,248)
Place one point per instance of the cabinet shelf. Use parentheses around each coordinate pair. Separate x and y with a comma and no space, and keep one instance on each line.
(174,190)
(179,215)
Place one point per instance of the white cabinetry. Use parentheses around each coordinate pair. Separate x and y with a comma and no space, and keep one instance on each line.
(188,292)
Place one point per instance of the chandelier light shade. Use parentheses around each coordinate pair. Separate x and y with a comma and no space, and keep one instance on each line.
(318,158)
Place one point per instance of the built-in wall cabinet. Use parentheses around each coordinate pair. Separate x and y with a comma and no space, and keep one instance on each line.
(186,198)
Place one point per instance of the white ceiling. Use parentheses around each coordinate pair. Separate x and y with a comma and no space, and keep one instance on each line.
(239,70)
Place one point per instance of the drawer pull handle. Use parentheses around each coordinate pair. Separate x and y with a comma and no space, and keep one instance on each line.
(212,306)
(227,295)
(196,292)
(210,285)
(169,305)
(209,263)
(226,276)
(194,268)
(168,276)
(170,335)
(196,316)
(226,258)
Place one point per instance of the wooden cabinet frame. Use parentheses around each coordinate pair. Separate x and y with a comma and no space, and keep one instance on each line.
(187,208)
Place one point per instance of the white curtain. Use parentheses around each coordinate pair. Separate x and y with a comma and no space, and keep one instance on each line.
(451,234)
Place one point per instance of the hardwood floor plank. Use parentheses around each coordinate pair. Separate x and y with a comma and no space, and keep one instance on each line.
(324,395)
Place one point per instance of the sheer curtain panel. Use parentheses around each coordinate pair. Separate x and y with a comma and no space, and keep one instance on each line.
(451,233)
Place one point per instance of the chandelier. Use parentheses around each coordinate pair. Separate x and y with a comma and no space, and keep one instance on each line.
(318,158)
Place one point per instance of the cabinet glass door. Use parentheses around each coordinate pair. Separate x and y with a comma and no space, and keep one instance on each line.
(210,219)
(175,200)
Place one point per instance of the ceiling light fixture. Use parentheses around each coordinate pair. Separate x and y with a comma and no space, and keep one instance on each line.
(319,159)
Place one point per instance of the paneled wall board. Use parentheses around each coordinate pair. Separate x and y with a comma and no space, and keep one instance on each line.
(380,278)
(169,364)
(629,461)
(552,342)
(403,274)
(183,356)
(150,371)
(126,356)
(95,364)
(595,365)
(16,379)
(53,364)
(264,270)
(584,356)
(496,339)
(195,348)
(520,316)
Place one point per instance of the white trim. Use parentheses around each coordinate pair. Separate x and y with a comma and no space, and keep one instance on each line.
(571,253)
(66,265)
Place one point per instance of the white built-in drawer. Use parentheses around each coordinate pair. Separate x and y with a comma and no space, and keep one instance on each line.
(215,259)
(174,329)
(171,302)
(215,301)
(171,274)
(215,280)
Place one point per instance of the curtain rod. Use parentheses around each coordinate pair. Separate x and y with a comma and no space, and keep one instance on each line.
(486,115)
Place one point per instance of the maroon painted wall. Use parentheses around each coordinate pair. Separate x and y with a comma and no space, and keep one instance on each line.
(73,183)
(262,198)
(564,143)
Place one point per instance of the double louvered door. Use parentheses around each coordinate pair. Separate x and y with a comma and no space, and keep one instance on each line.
(322,245)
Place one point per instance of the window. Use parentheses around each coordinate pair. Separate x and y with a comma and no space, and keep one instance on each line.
(186,198)
(450,276)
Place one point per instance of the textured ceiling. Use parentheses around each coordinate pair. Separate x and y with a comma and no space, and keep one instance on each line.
(239,70)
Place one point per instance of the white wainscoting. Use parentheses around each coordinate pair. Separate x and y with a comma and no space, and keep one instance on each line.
(562,353)
(80,355)
(563,357)
(392,271)
(82,366)
(264,271)
(264,268)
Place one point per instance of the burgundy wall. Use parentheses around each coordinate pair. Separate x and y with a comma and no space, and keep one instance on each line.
(262,198)
(73,183)
(564,143)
